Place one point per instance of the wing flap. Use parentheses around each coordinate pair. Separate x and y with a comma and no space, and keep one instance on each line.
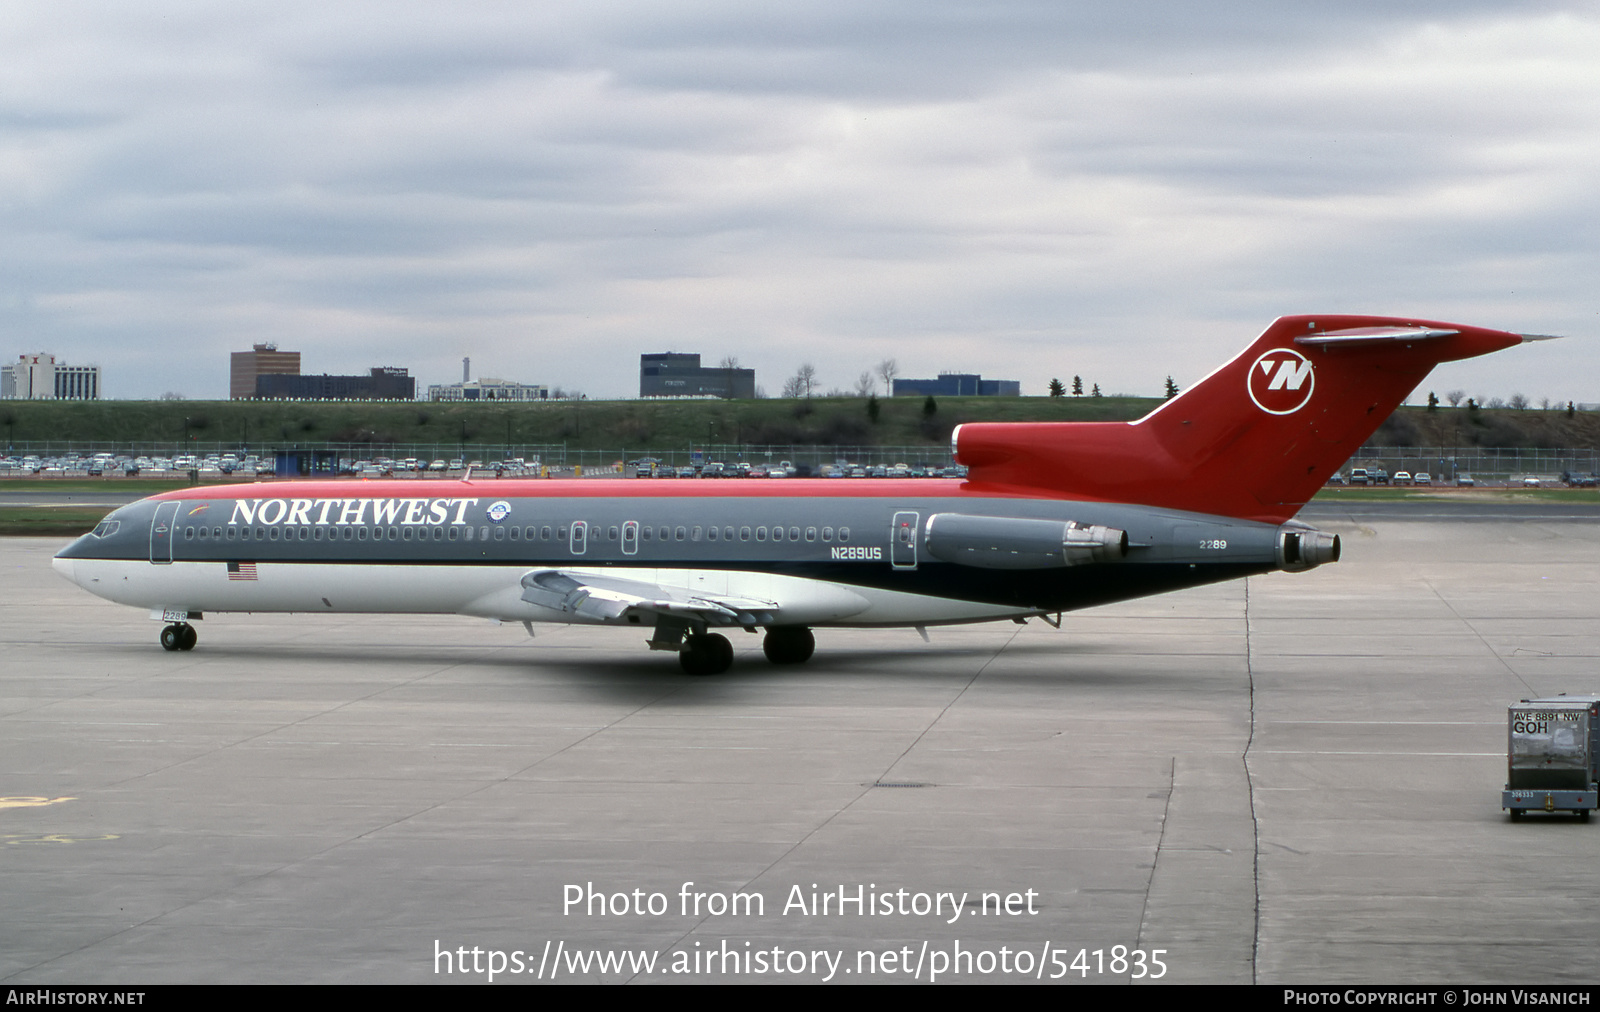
(610,599)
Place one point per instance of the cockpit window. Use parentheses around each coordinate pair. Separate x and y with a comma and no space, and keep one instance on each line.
(106,528)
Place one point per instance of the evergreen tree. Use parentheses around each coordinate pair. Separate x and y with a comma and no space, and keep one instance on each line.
(1172,389)
(1077,386)
(1056,389)
(929,407)
(873,408)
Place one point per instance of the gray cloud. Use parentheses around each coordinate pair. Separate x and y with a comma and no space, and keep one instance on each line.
(1026,190)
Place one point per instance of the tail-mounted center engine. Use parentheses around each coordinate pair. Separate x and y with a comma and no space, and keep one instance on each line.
(1010,543)
(1301,547)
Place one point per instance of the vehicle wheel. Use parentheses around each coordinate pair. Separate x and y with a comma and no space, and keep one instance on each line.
(789,644)
(706,655)
(187,637)
(1583,814)
(1516,813)
(171,638)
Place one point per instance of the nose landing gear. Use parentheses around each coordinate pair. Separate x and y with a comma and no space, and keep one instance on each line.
(179,636)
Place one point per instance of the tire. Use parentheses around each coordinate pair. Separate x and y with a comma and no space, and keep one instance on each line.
(789,644)
(706,655)
(171,638)
(187,637)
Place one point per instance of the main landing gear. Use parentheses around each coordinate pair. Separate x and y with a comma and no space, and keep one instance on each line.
(789,644)
(712,654)
(179,636)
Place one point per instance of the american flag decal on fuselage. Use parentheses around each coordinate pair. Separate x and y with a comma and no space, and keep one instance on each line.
(241,570)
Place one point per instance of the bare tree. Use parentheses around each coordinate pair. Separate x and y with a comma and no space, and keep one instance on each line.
(866,386)
(730,362)
(1454,397)
(888,369)
(802,383)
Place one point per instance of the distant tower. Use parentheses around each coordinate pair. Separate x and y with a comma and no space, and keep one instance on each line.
(260,360)
(466,370)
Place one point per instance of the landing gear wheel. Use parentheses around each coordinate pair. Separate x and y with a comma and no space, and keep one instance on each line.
(789,644)
(706,655)
(1516,813)
(172,637)
(187,637)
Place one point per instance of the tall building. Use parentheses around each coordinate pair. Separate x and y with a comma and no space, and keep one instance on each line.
(673,374)
(262,360)
(39,377)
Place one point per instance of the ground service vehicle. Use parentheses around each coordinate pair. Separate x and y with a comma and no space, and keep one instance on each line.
(1553,756)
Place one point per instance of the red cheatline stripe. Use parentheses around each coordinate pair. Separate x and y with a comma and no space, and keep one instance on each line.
(602,488)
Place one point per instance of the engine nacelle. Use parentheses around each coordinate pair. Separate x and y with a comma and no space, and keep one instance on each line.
(1301,547)
(1010,543)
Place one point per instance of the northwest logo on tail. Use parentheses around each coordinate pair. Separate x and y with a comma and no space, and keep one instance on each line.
(1281,381)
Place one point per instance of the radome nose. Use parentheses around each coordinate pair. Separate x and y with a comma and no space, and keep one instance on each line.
(65,568)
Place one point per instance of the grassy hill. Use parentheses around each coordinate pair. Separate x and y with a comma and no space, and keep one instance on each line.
(673,425)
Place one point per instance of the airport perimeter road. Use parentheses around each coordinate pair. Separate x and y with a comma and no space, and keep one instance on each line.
(1291,780)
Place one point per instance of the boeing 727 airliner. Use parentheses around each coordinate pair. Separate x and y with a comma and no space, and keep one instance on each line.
(1052,517)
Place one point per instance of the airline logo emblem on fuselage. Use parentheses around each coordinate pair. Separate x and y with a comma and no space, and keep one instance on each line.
(1281,381)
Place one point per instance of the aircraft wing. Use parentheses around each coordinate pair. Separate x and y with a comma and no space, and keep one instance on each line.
(609,598)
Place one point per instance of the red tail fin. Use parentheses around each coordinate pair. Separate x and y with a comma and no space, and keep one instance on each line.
(1255,439)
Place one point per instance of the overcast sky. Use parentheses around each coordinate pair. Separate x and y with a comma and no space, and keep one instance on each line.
(1022,189)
